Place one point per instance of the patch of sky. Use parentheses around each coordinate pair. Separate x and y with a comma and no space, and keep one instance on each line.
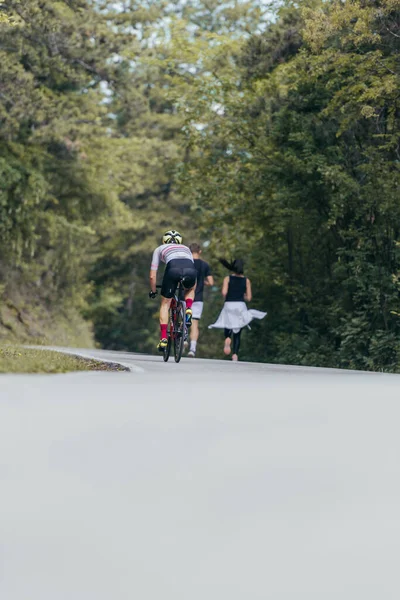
(199,126)
(177,11)
(218,108)
(106,92)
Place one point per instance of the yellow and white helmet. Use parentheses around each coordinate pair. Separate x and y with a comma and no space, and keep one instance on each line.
(172,237)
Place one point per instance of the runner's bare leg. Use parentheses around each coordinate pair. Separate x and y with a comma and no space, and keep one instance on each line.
(194,331)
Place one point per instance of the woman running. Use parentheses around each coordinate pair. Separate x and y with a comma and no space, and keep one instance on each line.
(236,289)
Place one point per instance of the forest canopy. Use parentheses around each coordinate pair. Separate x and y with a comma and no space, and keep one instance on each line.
(268,130)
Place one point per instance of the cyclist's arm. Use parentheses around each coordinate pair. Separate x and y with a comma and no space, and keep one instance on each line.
(153,279)
(248,295)
(155,261)
(225,286)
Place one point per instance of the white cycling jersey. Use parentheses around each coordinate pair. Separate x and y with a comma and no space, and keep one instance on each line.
(168,252)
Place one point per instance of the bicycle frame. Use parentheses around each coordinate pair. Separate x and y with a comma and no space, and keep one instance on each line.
(178,299)
(177,328)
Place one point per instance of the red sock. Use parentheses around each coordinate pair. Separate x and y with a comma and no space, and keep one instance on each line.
(189,303)
(163,329)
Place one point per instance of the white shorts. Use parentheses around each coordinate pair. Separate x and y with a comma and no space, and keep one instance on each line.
(236,315)
(197,310)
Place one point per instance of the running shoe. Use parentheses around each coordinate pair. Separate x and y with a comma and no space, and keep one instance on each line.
(189,317)
(162,344)
(191,354)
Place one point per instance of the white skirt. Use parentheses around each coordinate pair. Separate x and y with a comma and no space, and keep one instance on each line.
(235,316)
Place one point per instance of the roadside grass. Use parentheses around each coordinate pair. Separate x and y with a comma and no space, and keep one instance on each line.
(15,359)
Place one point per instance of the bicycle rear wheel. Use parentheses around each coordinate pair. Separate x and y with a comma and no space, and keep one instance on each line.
(167,350)
(179,332)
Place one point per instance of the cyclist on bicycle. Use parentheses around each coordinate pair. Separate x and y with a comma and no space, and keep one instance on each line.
(180,267)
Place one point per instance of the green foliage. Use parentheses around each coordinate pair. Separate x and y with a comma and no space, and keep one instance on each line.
(14,359)
(304,154)
(51,66)
(169,70)
(55,196)
(273,138)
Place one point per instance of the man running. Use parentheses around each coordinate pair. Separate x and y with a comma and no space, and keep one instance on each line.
(204,277)
(179,261)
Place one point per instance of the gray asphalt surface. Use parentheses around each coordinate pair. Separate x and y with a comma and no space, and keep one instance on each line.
(201,481)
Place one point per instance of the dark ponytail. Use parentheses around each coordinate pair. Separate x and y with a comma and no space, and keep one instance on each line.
(237,266)
(228,265)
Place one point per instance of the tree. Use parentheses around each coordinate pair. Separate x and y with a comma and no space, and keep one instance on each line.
(303,152)
(147,117)
(54,66)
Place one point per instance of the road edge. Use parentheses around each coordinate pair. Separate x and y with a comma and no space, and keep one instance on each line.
(86,355)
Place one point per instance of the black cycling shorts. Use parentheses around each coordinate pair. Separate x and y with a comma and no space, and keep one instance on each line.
(177,269)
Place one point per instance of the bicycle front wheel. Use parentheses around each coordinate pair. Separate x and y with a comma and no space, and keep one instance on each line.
(179,333)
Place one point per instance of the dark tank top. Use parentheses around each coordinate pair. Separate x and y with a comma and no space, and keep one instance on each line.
(236,289)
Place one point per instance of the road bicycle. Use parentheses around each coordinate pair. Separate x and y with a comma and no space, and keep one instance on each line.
(177,331)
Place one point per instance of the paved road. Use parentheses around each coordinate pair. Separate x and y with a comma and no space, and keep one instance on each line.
(201,481)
